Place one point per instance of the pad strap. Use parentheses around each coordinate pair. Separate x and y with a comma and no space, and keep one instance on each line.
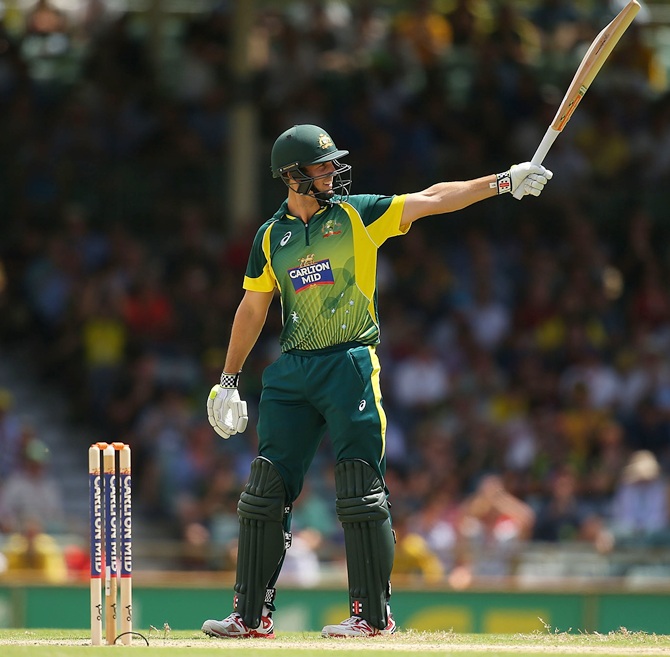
(363,510)
(264,537)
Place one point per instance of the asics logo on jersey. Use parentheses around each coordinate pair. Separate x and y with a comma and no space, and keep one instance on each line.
(285,239)
(362,405)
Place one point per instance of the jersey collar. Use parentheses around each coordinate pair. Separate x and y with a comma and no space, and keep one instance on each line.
(284,213)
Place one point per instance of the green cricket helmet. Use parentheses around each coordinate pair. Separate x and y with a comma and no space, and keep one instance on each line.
(301,146)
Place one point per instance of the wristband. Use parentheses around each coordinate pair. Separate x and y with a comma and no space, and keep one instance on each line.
(229,380)
(503,182)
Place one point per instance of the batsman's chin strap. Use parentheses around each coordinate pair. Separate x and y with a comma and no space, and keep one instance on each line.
(306,188)
(297,175)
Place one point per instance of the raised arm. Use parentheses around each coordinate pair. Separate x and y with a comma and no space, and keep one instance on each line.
(455,195)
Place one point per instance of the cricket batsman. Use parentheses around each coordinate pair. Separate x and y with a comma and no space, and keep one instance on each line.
(319,252)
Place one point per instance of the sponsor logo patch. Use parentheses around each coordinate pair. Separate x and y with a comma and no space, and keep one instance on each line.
(311,273)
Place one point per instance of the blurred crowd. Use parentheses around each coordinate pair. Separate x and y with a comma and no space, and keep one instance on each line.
(525,346)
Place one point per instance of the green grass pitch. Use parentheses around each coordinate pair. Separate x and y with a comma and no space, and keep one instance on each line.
(161,643)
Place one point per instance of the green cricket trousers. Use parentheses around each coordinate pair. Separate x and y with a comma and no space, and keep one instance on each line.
(306,392)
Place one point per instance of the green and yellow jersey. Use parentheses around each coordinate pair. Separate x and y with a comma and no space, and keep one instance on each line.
(325,270)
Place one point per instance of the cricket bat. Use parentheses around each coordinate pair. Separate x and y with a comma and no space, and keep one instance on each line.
(588,68)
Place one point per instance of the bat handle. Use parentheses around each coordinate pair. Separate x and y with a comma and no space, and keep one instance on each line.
(541,152)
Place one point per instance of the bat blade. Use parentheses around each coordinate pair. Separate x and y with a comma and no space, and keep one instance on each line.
(597,54)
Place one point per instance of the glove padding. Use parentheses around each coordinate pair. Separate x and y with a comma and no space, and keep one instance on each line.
(226,412)
(529,178)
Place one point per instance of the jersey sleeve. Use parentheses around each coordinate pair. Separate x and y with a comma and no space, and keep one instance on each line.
(381,215)
(259,276)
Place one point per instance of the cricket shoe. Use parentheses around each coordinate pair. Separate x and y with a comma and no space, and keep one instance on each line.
(357,626)
(234,627)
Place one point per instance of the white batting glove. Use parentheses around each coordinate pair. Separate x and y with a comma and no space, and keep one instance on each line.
(226,412)
(527,177)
